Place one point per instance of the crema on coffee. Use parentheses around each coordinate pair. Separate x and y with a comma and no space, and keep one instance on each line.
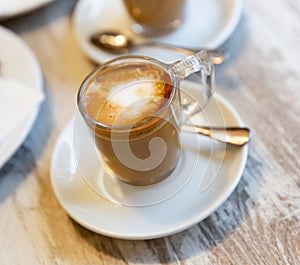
(124,97)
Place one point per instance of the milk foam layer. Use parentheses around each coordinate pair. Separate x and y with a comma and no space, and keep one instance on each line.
(132,93)
(125,97)
(136,100)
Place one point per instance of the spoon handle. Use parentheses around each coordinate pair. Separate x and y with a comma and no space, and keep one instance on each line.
(231,135)
(219,55)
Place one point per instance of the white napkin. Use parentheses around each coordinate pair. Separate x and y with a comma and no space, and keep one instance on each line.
(16,102)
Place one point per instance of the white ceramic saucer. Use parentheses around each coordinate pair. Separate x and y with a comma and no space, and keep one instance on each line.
(212,181)
(18,63)
(207,24)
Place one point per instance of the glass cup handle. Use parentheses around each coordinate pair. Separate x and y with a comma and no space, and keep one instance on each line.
(201,62)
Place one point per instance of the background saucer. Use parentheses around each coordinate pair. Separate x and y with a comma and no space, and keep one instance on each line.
(207,24)
(14,50)
(189,206)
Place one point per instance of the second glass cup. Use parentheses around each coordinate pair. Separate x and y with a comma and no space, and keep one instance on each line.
(155,17)
(133,108)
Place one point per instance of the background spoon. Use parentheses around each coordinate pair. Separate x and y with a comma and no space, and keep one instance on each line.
(118,43)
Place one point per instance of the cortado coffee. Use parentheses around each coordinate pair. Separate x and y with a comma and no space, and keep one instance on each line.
(129,109)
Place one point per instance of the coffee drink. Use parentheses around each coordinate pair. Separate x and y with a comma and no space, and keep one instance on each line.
(133,107)
(155,16)
(130,112)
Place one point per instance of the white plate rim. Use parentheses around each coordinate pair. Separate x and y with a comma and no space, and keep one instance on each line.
(12,143)
(26,6)
(232,24)
(185,225)
(101,56)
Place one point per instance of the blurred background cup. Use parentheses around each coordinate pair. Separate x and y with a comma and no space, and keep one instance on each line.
(155,17)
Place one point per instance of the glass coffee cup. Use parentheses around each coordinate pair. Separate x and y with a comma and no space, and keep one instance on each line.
(133,108)
(155,17)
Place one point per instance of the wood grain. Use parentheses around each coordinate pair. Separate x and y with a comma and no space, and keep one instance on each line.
(258,224)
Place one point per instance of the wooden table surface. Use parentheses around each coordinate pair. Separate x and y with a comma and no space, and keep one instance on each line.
(258,224)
